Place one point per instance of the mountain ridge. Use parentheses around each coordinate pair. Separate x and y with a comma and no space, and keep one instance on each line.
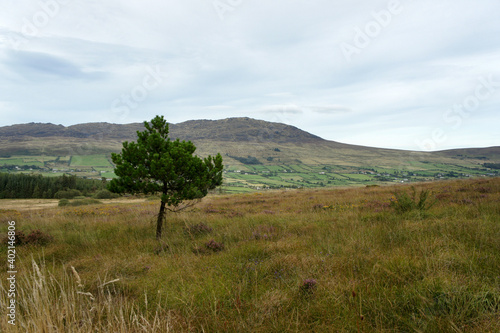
(229,129)
(247,134)
(256,154)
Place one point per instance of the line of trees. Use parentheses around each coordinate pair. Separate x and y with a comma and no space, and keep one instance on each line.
(250,160)
(492,165)
(20,167)
(22,186)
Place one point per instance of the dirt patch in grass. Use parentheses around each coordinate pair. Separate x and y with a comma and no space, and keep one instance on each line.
(33,204)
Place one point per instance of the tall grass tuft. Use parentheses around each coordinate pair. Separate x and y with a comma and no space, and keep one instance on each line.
(403,202)
(49,303)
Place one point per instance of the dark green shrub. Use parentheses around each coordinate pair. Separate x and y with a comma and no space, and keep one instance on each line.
(404,202)
(84,202)
(63,202)
(105,194)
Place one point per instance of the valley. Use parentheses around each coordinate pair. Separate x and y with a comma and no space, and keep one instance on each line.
(257,155)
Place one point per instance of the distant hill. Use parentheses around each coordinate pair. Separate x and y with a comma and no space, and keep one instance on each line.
(89,138)
(231,129)
(240,140)
(82,131)
(241,130)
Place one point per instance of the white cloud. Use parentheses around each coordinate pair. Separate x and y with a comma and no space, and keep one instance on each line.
(67,61)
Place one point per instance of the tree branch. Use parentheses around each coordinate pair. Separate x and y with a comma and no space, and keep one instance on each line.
(180,208)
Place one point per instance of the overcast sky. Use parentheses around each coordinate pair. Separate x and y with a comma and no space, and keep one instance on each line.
(418,75)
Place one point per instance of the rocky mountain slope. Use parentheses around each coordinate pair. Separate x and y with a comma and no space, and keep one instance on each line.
(236,138)
(231,129)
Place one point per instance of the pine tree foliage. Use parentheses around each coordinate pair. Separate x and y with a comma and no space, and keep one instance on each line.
(156,164)
(27,186)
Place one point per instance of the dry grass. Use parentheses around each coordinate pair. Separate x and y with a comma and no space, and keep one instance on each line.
(37,204)
(436,270)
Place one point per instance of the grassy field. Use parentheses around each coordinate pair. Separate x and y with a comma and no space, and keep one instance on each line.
(91,160)
(371,259)
(254,166)
(314,176)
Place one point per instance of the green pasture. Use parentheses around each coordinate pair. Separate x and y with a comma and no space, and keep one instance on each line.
(26,160)
(90,161)
(261,175)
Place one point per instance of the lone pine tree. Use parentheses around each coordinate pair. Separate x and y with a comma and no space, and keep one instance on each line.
(156,164)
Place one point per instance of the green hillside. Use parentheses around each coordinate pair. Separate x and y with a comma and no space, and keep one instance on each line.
(257,154)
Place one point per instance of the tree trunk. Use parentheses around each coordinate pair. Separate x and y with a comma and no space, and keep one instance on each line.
(159,222)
